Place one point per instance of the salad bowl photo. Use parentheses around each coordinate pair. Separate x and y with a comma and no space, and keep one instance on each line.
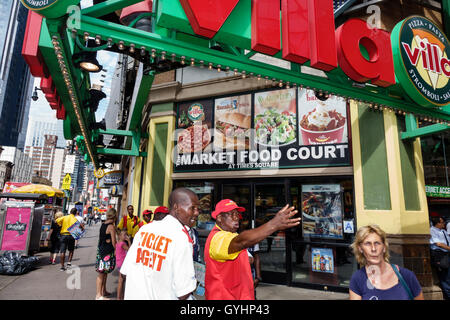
(275,128)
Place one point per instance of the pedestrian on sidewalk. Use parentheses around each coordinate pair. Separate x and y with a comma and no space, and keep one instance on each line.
(129,221)
(106,258)
(255,265)
(440,253)
(81,221)
(160,213)
(122,248)
(378,279)
(159,264)
(66,240)
(146,218)
(54,238)
(228,275)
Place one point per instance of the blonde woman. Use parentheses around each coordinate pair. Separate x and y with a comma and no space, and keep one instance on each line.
(378,279)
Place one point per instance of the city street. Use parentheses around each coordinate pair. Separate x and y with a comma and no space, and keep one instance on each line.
(46,282)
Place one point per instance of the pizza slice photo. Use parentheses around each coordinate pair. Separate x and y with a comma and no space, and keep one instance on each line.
(193,139)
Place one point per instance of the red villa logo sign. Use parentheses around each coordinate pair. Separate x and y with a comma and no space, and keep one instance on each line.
(307,33)
(416,54)
(421,55)
(307,30)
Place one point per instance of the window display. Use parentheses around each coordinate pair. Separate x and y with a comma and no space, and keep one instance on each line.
(322,211)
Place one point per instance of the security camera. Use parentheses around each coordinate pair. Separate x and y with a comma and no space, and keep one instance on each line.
(35,96)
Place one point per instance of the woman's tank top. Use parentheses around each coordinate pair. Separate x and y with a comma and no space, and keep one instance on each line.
(104,247)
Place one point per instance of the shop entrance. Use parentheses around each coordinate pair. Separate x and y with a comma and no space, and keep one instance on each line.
(314,254)
(261,202)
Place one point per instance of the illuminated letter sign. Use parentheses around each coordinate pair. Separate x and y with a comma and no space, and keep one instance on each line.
(207,18)
(379,68)
(421,55)
(308,33)
(266,26)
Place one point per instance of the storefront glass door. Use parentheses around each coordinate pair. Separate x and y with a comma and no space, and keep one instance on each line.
(269,199)
(241,194)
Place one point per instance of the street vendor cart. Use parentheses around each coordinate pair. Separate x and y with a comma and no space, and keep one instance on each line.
(21,218)
(41,201)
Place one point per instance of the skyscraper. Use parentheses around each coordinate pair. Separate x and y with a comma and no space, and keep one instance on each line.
(16,82)
(38,128)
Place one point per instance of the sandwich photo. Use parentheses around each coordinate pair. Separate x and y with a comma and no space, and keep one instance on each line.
(232,131)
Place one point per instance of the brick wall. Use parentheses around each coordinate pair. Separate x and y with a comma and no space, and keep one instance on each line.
(164,77)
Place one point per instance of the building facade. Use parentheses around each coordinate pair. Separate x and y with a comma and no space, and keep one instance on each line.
(22,169)
(47,161)
(382,181)
(340,141)
(16,82)
(38,128)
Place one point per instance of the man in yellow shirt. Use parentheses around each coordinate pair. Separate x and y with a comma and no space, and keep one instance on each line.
(67,241)
(129,222)
(146,218)
(228,274)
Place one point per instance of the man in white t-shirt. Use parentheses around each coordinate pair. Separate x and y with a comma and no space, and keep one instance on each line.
(159,264)
(81,221)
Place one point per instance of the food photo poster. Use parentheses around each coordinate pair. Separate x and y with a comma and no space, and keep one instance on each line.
(275,119)
(322,211)
(322,260)
(194,126)
(321,121)
(232,122)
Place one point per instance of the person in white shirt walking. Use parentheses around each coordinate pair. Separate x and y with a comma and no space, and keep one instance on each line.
(159,264)
(440,246)
(81,221)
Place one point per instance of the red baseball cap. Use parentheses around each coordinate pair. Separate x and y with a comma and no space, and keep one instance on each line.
(162,209)
(225,206)
(147,212)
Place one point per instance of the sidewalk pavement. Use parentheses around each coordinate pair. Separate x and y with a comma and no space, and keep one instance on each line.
(79,282)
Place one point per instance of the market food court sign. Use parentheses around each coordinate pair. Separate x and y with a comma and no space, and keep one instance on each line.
(271,129)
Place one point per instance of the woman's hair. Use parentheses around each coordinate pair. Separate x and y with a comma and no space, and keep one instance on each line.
(111,214)
(58,214)
(361,235)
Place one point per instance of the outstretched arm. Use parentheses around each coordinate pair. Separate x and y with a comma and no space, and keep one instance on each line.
(282,220)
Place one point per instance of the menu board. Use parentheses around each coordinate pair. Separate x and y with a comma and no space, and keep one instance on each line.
(273,129)
(322,211)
